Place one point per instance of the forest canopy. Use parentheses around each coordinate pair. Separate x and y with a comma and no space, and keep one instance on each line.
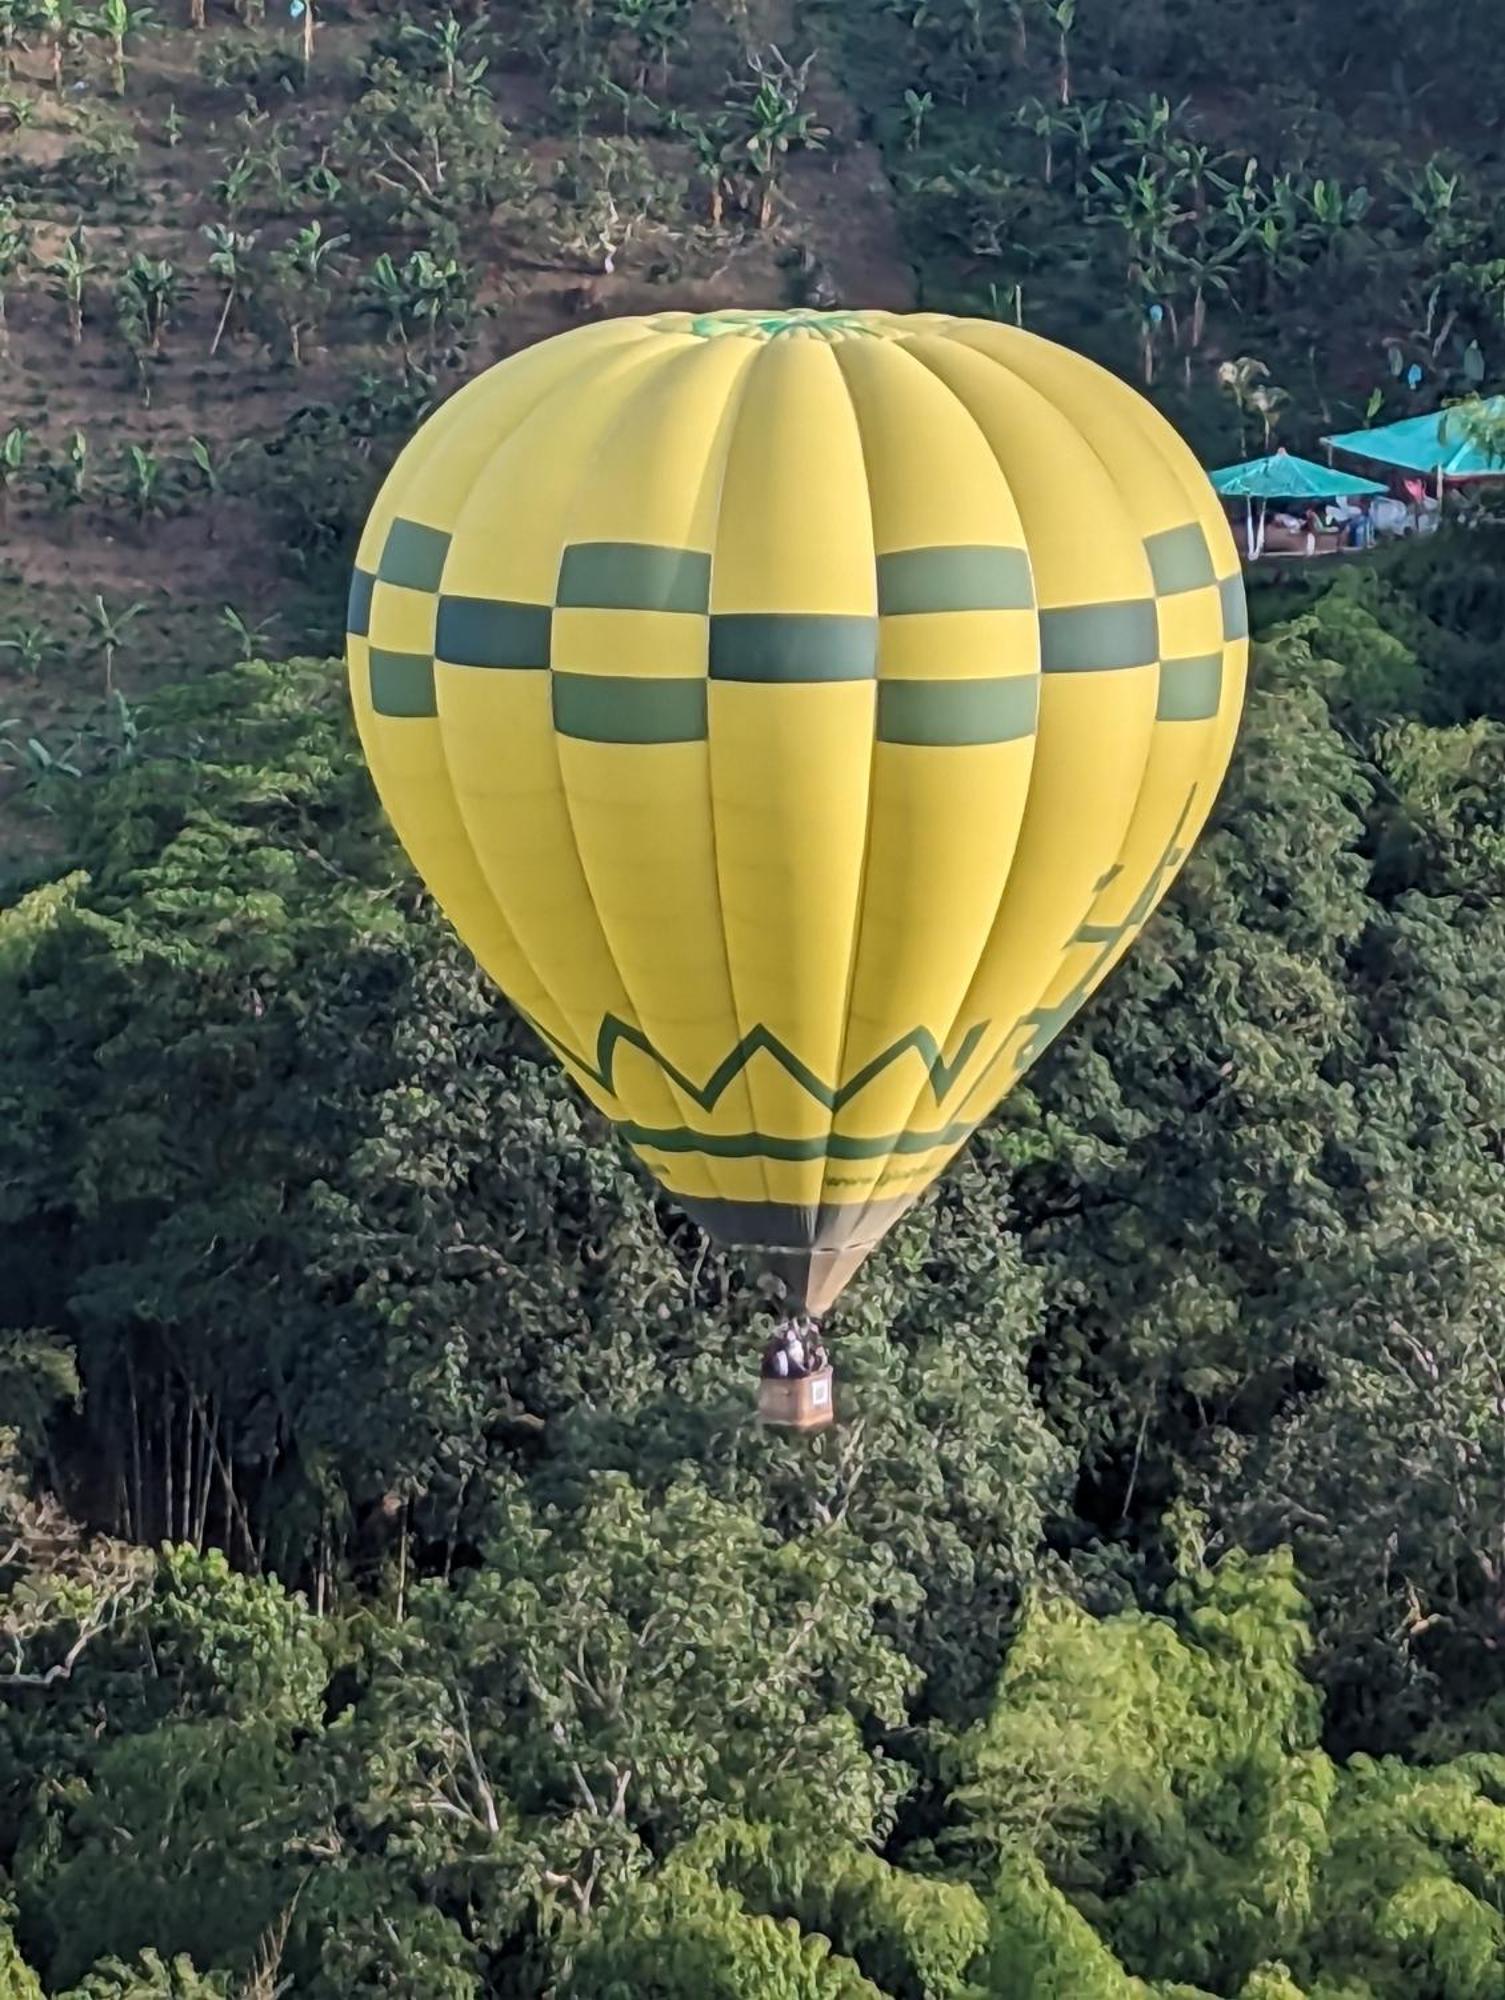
(1139,1628)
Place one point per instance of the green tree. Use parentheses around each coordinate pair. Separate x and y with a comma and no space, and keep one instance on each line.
(17,1980)
(150,1977)
(569,1741)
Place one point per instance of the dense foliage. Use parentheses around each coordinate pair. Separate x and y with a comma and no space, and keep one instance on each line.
(491,1650)
(1285,219)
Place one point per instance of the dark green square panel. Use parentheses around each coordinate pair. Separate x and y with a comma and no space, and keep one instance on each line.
(1191,690)
(413,555)
(402,684)
(793,646)
(633,576)
(954,713)
(492,632)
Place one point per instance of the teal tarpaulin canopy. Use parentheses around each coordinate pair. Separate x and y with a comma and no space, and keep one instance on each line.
(1283,477)
(1438,443)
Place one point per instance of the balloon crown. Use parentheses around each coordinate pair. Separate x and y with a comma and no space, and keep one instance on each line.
(771,325)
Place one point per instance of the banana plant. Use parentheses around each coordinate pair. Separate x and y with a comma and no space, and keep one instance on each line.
(1041,121)
(59,21)
(1332,213)
(1146,205)
(1241,380)
(713,147)
(15,18)
(658,28)
(211,463)
(918,105)
(424,291)
(236,184)
(445,47)
(150,291)
(252,636)
(35,758)
(775,122)
(145,484)
(69,479)
(115,21)
(33,645)
(15,250)
(15,447)
(229,261)
(1476,420)
(107,634)
(300,272)
(1063,16)
(1431,194)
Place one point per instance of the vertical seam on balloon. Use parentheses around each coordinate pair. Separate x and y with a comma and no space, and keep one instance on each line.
(1167,869)
(1184,472)
(855,954)
(588,471)
(1011,1030)
(734,417)
(444,422)
(945,1040)
(523,417)
(645,380)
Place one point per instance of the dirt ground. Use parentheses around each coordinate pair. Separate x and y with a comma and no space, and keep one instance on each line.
(835,207)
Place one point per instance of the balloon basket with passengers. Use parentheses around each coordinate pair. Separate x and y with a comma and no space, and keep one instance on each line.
(798,715)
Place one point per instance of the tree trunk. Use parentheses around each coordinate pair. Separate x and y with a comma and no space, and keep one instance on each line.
(137,1523)
(219,331)
(168,1495)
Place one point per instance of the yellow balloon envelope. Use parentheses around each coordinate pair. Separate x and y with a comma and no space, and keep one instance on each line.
(797,715)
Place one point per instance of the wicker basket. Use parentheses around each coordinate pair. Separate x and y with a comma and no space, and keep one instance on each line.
(799,1402)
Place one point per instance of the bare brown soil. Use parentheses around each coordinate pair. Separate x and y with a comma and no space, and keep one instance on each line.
(835,207)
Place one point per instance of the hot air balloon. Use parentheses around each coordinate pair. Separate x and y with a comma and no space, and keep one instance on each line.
(798,715)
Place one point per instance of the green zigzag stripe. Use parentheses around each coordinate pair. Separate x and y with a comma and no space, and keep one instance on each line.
(765,1146)
(1041,1027)
(761,1041)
